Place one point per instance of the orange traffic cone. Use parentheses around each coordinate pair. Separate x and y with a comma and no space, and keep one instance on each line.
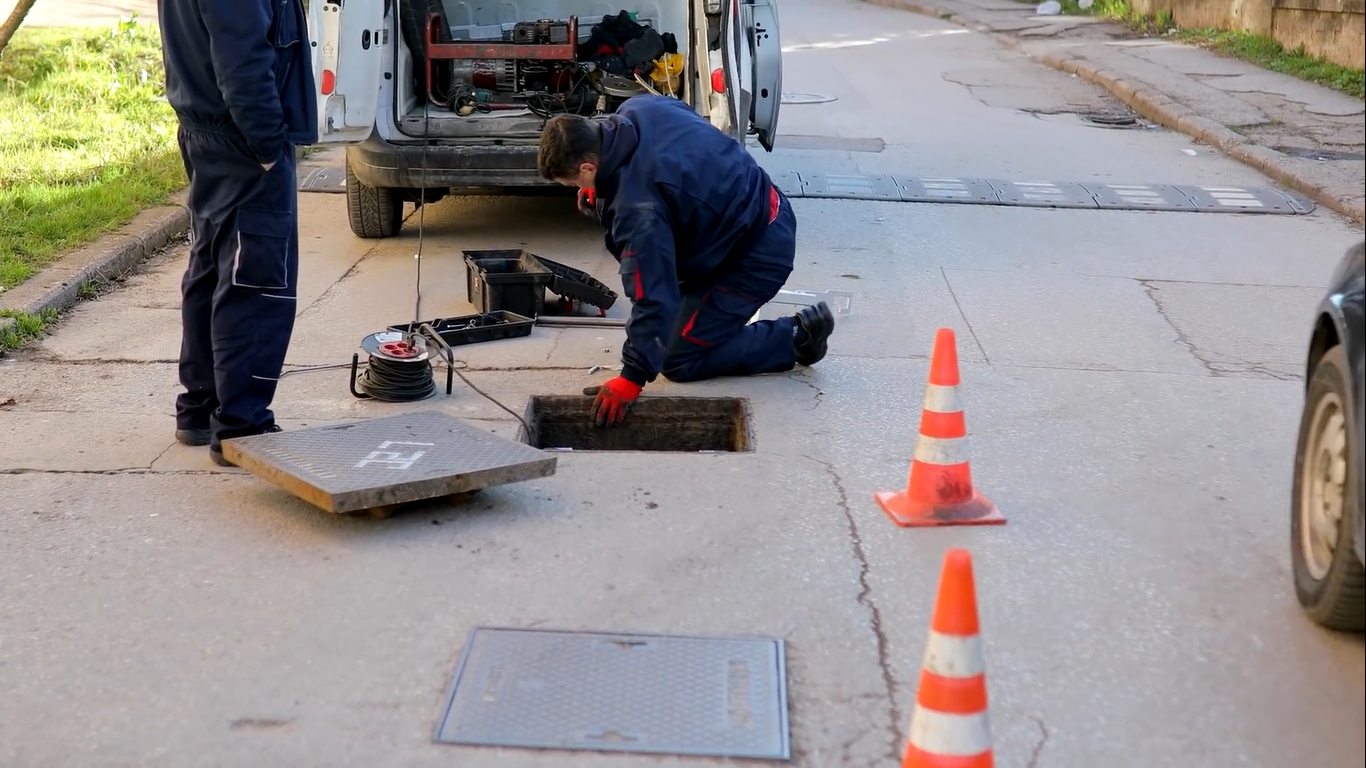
(940,490)
(949,727)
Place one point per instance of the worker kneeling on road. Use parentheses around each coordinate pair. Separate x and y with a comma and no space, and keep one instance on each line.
(703,237)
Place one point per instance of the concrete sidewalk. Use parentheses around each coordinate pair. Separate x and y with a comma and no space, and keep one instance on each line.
(1304,135)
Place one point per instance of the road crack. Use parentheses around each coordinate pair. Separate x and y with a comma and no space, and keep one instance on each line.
(865,599)
(1043,741)
(804,377)
(971,331)
(1151,290)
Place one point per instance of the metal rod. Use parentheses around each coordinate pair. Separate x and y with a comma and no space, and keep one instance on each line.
(580,322)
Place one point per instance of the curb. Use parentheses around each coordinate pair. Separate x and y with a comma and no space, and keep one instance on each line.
(1159,108)
(58,287)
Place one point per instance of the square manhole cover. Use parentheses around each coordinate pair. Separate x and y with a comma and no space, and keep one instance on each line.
(676,424)
(387,461)
(546,689)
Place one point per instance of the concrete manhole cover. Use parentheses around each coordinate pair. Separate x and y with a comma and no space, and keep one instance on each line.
(802,97)
(1111,119)
(544,689)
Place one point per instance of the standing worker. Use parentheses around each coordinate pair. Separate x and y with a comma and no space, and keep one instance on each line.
(703,237)
(239,76)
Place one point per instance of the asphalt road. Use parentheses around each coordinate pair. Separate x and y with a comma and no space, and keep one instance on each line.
(1132,382)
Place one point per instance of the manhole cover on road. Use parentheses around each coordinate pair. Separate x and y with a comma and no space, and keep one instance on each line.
(1328,155)
(326,180)
(386,461)
(545,689)
(801,97)
(1111,119)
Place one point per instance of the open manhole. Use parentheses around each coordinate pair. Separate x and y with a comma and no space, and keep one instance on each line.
(670,424)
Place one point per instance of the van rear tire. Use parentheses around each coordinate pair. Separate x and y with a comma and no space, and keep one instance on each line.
(413,22)
(375,212)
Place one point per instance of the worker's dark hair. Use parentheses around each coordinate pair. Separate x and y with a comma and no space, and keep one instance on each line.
(567,142)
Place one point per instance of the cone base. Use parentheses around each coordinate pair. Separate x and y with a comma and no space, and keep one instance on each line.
(908,513)
(915,758)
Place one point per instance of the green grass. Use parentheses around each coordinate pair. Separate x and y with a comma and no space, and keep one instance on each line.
(1254,49)
(25,327)
(1269,54)
(87,140)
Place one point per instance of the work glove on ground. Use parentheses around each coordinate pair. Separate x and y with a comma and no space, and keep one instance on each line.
(612,400)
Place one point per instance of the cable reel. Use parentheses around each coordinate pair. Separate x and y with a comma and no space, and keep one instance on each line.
(398,368)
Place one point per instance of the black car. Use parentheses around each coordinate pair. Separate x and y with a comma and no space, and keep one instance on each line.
(1326,533)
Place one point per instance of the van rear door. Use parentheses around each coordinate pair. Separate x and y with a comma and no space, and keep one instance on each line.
(760,22)
(753,58)
(348,38)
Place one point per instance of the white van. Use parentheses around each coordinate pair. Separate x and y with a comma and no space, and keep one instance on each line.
(499,70)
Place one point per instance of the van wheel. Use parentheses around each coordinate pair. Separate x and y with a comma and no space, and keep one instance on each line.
(1329,580)
(413,21)
(375,212)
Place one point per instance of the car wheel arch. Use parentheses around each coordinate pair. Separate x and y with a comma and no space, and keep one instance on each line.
(1325,337)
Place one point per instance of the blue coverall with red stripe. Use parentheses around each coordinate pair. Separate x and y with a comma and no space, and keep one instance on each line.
(704,240)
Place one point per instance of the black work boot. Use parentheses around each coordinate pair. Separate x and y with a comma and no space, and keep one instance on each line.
(222,461)
(814,326)
(192,437)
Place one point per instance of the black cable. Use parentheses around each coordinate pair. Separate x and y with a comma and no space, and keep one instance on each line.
(393,381)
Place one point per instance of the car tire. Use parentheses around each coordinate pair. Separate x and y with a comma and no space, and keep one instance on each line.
(413,23)
(1330,582)
(375,212)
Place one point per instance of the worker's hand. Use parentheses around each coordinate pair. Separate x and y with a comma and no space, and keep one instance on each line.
(613,399)
(588,202)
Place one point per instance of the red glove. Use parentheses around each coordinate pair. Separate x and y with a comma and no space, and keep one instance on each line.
(588,202)
(612,401)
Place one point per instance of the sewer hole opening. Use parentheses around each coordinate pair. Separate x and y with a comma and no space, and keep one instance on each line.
(654,424)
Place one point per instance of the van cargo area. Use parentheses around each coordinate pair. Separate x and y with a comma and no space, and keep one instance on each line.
(494,73)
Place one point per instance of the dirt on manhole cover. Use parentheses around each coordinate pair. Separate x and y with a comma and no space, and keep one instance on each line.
(802,97)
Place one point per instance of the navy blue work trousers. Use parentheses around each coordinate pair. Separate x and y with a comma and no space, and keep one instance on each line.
(711,338)
(240,288)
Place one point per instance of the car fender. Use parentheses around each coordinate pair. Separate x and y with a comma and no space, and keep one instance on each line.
(1340,316)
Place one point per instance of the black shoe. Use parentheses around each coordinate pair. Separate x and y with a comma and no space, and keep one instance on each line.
(815,324)
(222,461)
(192,437)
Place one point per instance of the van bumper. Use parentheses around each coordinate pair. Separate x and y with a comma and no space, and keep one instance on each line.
(465,168)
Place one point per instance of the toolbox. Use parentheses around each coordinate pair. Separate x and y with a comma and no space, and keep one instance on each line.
(576,285)
(511,280)
(472,329)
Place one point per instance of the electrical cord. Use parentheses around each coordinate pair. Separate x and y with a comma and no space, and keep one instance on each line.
(388,381)
(392,381)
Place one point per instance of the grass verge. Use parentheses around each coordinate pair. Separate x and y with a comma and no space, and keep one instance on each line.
(16,328)
(87,140)
(1258,50)
(1269,54)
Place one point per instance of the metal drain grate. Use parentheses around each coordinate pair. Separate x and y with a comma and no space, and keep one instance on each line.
(545,689)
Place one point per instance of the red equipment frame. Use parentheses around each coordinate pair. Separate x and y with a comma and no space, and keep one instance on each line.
(480,50)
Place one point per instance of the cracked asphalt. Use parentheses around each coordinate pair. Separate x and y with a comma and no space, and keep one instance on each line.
(1132,387)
